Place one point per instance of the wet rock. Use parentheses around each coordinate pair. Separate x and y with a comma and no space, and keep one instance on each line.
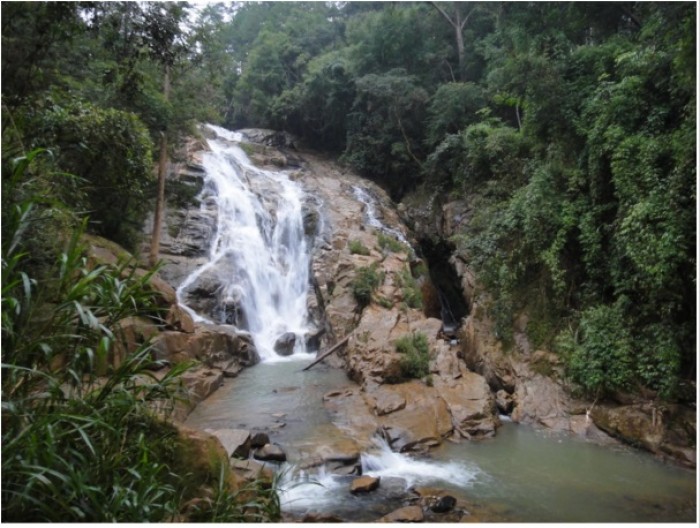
(441,504)
(178,319)
(259,440)
(405,514)
(668,430)
(313,517)
(504,401)
(364,484)
(270,452)
(284,346)
(470,403)
(435,499)
(251,470)
(422,423)
(207,344)
(237,442)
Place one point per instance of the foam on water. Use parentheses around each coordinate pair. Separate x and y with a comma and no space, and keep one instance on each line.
(259,243)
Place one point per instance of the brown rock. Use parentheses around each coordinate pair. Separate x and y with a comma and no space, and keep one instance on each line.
(364,484)
(423,422)
(405,514)
(471,404)
(252,470)
(201,383)
(385,401)
(179,319)
(130,333)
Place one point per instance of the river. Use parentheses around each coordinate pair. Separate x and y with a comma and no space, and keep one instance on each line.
(520,475)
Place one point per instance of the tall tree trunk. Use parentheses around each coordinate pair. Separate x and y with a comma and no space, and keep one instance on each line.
(458,23)
(162,171)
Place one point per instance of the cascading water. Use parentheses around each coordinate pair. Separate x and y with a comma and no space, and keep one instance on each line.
(370,204)
(258,265)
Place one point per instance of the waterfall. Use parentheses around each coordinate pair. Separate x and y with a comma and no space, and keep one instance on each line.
(257,273)
(371,217)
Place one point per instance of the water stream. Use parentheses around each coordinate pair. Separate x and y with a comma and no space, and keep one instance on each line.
(260,254)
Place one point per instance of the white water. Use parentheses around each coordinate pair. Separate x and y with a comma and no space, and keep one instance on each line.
(371,215)
(259,248)
(306,489)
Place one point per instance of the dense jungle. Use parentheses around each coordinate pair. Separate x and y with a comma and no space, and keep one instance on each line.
(506,190)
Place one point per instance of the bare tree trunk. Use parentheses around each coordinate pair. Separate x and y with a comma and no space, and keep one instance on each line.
(162,171)
(458,25)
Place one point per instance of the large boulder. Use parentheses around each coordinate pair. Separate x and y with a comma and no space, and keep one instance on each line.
(284,346)
(422,423)
(209,344)
(236,442)
(668,430)
(471,404)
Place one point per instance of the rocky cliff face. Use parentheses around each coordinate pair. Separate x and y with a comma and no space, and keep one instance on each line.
(412,414)
(469,379)
(528,383)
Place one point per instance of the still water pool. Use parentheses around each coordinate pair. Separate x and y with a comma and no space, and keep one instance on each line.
(520,475)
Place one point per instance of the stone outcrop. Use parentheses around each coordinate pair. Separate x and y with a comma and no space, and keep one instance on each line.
(666,430)
(405,514)
(529,383)
(364,484)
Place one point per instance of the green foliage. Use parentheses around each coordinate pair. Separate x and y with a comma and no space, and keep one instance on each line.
(452,108)
(416,355)
(110,151)
(75,449)
(412,295)
(253,502)
(389,243)
(367,279)
(357,248)
(600,355)
(79,447)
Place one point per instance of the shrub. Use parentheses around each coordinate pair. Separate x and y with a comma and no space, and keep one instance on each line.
(366,280)
(411,290)
(599,356)
(357,248)
(77,447)
(110,150)
(416,355)
(389,243)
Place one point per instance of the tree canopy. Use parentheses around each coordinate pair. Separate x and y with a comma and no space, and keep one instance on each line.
(570,126)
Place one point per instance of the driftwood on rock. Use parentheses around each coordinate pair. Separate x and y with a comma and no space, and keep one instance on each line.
(328,353)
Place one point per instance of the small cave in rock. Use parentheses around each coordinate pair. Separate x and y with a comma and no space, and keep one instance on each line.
(453,306)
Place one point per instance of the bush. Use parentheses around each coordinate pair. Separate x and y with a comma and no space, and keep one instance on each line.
(389,243)
(366,280)
(110,150)
(599,356)
(416,355)
(357,248)
(412,295)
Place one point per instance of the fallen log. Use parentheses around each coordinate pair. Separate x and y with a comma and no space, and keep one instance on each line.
(328,353)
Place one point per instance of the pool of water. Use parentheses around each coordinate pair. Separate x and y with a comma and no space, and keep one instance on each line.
(520,475)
